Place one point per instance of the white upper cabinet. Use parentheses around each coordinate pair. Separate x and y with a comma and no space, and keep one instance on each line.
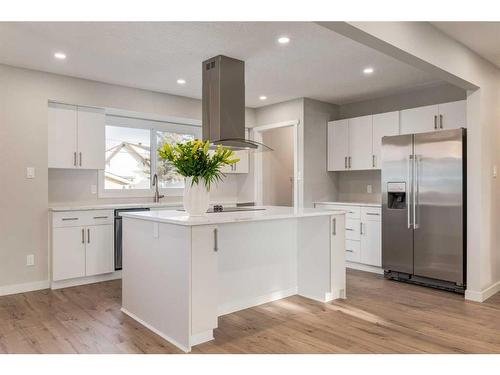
(338,145)
(419,120)
(453,115)
(62,136)
(384,124)
(76,137)
(360,143)
(91,138)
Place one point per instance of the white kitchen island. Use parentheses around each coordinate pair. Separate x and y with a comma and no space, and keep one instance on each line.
(181,273)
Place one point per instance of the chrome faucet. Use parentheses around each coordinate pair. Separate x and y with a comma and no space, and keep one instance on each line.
(157,193)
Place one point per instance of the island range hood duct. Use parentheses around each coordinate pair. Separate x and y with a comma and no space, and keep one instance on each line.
(223,101)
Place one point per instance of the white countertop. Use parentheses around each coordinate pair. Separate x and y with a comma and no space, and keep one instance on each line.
(352,204)
(270,213)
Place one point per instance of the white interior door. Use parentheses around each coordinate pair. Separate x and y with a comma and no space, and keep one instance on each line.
(68,253)
(338,145)
(62,136)
(384,124)
(360,143)
(419,120)
(99,249)
(453,115)
(91,138)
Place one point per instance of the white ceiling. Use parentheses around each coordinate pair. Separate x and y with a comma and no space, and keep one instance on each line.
(317,63)
(481,37)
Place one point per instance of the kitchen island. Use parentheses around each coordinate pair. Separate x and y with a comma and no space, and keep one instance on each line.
(181,273)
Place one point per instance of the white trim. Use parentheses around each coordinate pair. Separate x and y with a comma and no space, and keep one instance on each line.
(153,117)
(257,136)
(158,332)
(86,280)
(472,295)
(201,337)
(246,303)
(24,287)
(364,267)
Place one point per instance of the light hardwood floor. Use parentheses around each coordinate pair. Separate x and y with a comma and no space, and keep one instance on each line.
(379,316)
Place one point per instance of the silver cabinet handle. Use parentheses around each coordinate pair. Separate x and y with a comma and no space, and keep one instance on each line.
(74,158)
(349,162)
(435,122)
(441,121)
(345,162)
(349,251)
(334,226)
(349,229)
(88,235)
(83,235)
(373,214)
(373,161)
(80,159)
(100,217)
(360,228)
(216,239)
(69,218)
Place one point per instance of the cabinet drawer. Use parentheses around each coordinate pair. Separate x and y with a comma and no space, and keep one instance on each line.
(371,214)
(352,229)
(352,212)
(80,218)
(352,251)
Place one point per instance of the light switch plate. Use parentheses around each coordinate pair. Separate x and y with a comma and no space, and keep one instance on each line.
(30,172)
(494,171)
(369,189)
(30,260)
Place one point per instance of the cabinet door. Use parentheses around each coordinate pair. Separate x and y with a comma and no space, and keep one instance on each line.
(453,115)
(384,124)
(338,145)
(99,252)
(242,165)
(91,138)
(68,253)
(419,120)
(62,136)
(371,243)
(360,143)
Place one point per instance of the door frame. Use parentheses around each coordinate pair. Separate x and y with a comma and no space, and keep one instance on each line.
(257,136)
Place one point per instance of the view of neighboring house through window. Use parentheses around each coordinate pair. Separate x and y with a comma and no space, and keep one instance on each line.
(132,157)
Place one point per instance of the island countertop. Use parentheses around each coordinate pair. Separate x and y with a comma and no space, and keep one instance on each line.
(265,213)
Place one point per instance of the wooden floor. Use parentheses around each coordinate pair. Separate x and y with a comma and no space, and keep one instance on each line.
(379,316)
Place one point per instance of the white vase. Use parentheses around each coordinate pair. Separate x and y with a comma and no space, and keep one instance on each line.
(196,197)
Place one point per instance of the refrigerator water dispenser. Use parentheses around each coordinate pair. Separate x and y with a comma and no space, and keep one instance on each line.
(396,195)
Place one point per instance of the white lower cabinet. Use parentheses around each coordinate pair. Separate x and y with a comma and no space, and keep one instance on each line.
(82,244)
(363,234)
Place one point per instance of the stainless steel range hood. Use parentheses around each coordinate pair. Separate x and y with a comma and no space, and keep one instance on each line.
(223,100)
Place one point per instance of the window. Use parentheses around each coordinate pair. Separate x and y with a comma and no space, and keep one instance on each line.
(132,157)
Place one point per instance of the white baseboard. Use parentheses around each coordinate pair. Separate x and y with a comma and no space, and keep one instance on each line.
(246,303)
(201,337)
(472,295)
(23,288)
(85,280)
(364,267)
(158,332)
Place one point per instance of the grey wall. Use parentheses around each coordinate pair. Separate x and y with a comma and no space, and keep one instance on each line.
(441,93)
(319,185)
(352,186)
(23,135)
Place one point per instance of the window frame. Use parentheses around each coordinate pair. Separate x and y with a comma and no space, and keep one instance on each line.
(153,123)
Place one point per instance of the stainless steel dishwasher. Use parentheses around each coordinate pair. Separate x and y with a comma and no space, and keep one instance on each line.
(118,234)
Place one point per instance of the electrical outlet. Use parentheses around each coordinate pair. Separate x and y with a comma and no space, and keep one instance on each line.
(93,189)
(369,189)
(494,171)
(30,260)
(30,172)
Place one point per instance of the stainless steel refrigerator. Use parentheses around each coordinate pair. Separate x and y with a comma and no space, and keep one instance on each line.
(424,208)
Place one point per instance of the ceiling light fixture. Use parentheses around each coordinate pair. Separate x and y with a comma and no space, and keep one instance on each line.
(262,97)
(284,40)
(181,81)
(60,55)
(368,70)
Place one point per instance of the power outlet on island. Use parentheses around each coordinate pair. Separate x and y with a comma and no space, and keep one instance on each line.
(30,260)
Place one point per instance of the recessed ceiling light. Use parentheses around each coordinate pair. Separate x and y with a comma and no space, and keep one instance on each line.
(60,55)
(368,70)
(181,81)
(284,40)
(262,97)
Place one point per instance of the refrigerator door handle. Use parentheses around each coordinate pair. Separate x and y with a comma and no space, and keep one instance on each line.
(410,181)
(416,183)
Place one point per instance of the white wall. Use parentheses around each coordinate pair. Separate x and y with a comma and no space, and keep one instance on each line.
(24,95)
(423,46)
